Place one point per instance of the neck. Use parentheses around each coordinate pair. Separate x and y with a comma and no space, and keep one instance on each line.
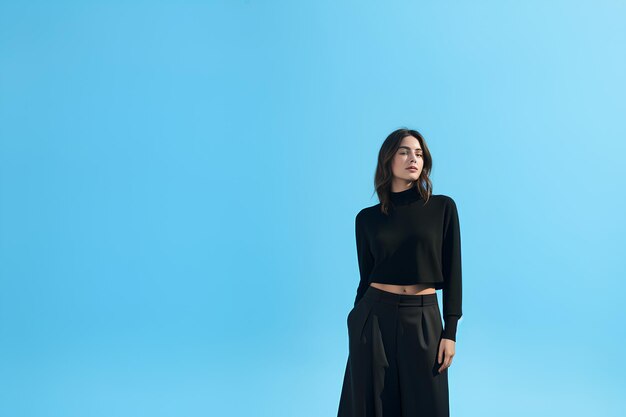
(407,196)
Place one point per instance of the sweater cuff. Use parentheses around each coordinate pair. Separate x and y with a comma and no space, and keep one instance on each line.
(450,327)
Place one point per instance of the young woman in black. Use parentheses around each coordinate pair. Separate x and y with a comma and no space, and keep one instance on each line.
(408,246)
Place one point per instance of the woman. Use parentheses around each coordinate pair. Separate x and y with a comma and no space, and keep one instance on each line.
(408,246)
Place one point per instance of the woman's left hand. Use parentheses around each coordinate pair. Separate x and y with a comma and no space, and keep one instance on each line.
(446,353)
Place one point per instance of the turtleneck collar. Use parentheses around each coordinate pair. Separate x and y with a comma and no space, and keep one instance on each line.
(406,196)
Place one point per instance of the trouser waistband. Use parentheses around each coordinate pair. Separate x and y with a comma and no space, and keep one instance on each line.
(376,294)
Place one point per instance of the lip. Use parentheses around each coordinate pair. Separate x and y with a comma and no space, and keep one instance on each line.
(412,169)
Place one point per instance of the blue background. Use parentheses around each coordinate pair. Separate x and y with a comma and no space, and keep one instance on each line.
(179,181)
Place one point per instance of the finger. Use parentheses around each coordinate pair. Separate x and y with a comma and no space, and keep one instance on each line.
(443,365)
(440,354)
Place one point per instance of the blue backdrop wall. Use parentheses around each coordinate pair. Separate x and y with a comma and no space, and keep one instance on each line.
(179,180)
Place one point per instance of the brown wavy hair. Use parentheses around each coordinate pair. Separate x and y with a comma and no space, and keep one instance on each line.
(384,175)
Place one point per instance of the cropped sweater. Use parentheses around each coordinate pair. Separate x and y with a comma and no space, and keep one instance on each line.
(419,242)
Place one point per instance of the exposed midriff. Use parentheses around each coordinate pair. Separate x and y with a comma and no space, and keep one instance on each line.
(416,289)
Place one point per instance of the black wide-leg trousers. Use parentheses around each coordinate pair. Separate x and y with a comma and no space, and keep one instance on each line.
(392,368)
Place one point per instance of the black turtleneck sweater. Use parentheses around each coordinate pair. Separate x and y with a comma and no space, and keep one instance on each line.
(419,242)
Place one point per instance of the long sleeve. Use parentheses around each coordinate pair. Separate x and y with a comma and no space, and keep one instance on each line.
(451,268)
(364,256)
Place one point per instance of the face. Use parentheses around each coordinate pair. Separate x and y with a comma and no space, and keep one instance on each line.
(409,154)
